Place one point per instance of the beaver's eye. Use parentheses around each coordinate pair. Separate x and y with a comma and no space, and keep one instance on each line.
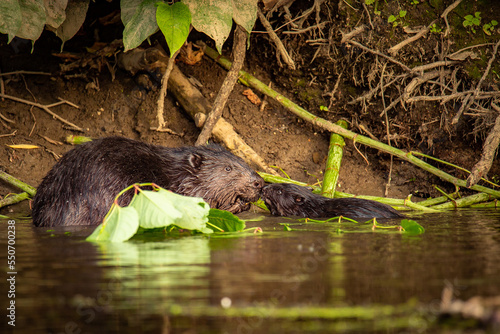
(299,199)
(228,169)
(280,192)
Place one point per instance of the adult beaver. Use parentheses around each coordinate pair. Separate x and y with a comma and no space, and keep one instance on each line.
(285,199)
(81,187)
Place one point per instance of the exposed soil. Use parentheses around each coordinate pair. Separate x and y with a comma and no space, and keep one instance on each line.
(123,107)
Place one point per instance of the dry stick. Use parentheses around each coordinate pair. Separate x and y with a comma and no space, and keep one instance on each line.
(324,124)
(412,39)
(361,46)
(45,108)
(426,67)
(239,48)
(469,99)
(446,98)
(24,72)
(445,15)
(163,93)
(279,45)
(490,146)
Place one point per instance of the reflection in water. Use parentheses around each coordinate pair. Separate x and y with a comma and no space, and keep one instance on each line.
(67,285)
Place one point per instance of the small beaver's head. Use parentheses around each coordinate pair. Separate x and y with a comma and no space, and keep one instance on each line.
(286,199)
(222,179)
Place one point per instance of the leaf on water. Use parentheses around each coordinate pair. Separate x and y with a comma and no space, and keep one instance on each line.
(174,22)
(119,225)
(163,208)
(225,221)
(140,25)
(411,227)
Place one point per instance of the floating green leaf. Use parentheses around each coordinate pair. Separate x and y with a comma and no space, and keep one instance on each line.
(33,19)
(411,227)
(224,220)
(174,22)
(119,225)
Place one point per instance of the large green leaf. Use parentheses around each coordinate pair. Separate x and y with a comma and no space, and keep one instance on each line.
(412,227)
(120,224)
(76,12)
(174,22)
(10,17)
(141,25)
(163,208)
(225,221)
(56,12)
(213,18)
(245,13)
(155,208)
(33,19)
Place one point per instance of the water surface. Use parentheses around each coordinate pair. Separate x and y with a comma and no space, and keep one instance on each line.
(317,278)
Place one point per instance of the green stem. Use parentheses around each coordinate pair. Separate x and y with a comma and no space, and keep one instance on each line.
(463,202)
(335,153)
(13,199)
(19,184)
(322,123)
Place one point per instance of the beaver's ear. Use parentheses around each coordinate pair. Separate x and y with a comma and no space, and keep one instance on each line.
(195,160)
(299,199)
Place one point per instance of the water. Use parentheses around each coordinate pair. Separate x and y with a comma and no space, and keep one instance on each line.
(314,279)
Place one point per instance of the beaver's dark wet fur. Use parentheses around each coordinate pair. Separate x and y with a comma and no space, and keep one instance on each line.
(285,199)
(81,187)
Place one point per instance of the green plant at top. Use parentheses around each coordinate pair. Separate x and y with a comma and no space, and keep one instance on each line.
(471,21)
(397,19)
(489,27)
(414,2)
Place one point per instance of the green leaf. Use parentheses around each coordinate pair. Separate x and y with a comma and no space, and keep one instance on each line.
(140,25)
(225,221)
(75,16)
(56,12)
(411,227)
(402,13)
(493,22)
(245,13)
(163,208)
(119,225)
(33,19)
(391,19)
(10,17)
(213,18)
(174,22)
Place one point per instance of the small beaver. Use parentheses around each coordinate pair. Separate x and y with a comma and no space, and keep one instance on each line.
(81,187)
(286,199)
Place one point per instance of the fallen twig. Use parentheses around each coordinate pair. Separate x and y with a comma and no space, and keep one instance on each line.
(13,199)
(361,46)
(45,108)
(393,50)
